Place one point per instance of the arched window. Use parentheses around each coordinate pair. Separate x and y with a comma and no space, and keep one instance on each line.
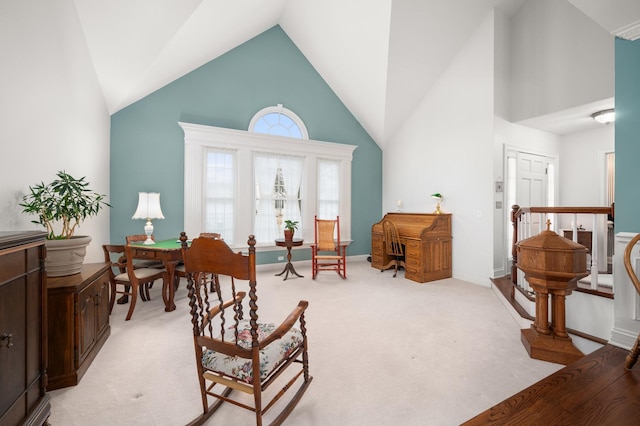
(278,121)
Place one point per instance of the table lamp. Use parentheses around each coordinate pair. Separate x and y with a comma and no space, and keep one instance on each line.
(148,208)
(438,197)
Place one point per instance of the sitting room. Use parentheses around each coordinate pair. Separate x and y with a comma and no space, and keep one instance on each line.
(240,119)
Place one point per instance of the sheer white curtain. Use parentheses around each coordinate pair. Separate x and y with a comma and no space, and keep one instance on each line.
(267,166)
(292,174)
(266,225)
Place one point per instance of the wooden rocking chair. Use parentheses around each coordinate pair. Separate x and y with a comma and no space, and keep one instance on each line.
(632,358)
(328,253)
(233,353)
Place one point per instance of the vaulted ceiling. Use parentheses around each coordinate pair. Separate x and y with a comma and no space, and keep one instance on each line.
(371,52)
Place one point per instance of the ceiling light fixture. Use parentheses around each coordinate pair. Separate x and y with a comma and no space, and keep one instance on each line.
(606,116)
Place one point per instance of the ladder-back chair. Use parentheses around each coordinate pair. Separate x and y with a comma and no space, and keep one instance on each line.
(180,272)
(393,246)
(233,353)
(634,353)
(133,280)
(141,263)
(328,253)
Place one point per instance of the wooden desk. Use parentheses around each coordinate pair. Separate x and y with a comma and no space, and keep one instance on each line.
(427,241)
(296,242)
(169,252)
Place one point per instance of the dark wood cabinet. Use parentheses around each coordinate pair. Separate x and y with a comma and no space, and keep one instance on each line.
(78,322)
(23,329)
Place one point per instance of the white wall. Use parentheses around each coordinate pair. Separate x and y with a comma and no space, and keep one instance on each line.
(53,113)
(560,59)
(581,168)
(446,146)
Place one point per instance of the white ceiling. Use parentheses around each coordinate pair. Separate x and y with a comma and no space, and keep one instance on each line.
(365,50)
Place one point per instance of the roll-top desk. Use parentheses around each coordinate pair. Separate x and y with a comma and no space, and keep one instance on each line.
(427,243)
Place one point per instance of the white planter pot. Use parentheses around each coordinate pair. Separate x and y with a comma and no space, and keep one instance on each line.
(65,257)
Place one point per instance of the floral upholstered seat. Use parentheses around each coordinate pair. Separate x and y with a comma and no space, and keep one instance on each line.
(270,357)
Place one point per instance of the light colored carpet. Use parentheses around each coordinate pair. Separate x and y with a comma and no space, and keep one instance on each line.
(382,351)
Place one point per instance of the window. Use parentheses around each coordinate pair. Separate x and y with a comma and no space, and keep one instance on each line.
(328,188)
(220,192)
(278,195)
(278,121)
(302,177)
(278,178)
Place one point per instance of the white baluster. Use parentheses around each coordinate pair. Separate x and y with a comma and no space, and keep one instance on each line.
(594,253)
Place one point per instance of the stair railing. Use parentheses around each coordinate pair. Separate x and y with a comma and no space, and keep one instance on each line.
(530,221)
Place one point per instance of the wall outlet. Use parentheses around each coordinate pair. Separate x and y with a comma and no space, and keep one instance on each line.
(280,257)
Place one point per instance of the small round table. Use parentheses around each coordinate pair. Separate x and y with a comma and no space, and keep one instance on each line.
(296,242)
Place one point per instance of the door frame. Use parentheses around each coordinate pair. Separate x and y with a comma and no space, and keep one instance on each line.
(511,151)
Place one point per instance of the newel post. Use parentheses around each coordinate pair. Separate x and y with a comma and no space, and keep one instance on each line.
(514,253)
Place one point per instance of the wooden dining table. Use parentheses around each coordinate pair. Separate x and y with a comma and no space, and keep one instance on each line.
(169,252)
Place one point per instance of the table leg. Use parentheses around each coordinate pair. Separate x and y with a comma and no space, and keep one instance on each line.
(288,267)
(168,295)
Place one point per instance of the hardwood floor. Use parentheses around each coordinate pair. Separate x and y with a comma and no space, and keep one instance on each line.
(596,390)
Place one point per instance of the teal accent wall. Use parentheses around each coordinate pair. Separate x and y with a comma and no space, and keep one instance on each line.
(627,136)
(147,144)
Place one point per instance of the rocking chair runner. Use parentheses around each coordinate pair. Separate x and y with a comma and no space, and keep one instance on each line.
(632,358)
(233,353)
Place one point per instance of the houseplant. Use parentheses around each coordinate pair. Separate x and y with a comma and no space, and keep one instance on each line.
(289,228)
(61,206)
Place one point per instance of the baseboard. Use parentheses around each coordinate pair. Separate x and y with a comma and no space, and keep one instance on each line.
(623,338)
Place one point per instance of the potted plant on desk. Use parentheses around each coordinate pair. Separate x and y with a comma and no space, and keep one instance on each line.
(289,228)
(65,202)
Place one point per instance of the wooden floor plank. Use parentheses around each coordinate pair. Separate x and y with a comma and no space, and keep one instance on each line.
(596,390)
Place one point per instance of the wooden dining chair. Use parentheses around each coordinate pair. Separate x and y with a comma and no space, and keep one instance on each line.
(234,353)
(328,253)
(141,263)
(132,280)
(179,271)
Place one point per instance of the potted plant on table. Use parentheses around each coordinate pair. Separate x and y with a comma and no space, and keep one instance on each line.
(289,228)
(63,204)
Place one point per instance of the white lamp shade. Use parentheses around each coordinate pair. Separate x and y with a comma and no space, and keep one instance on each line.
(148,206)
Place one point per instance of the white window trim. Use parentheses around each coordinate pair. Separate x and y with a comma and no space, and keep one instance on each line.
(198,137)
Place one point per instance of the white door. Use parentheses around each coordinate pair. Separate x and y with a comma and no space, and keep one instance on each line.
(530,183)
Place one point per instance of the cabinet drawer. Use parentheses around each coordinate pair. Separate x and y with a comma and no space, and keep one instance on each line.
(145,254)
(411,269)
(412,261)
(412,244)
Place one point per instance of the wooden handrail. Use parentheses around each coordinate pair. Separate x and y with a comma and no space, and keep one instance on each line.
(517,211)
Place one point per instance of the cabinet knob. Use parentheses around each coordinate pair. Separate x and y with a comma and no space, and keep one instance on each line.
(8,338)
